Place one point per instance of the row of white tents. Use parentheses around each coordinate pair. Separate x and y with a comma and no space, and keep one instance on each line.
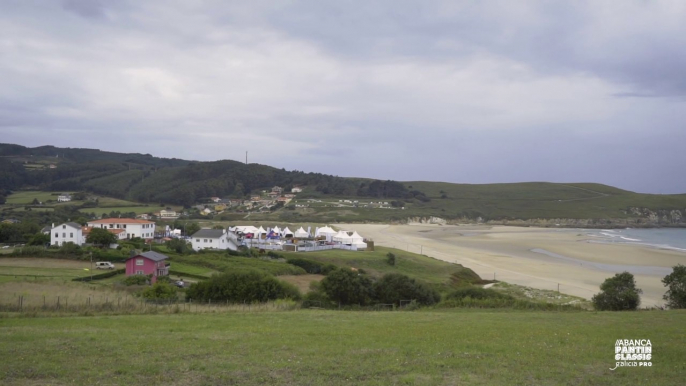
(343,237)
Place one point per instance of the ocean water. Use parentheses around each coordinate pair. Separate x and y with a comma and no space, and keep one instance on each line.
(665,238)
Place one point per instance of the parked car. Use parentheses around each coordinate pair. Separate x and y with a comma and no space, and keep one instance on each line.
(104,265)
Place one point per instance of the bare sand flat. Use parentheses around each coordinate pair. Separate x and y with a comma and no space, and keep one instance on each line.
(536,257)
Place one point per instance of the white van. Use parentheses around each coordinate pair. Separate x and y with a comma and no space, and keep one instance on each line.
(104,265)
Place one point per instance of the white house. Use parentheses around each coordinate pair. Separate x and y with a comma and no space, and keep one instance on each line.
(214,239)
(132,227)
(168,214)
(296,189)
(69,232)
(64,198)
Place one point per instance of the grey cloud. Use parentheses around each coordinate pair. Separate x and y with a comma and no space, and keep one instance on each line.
(454,91)
(85,8)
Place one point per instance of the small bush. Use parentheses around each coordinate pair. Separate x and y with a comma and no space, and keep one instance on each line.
(478,293)
(317,299)
(160,291)
(309,266)
(390,259)
(394,287)
(242,286)
(136,280)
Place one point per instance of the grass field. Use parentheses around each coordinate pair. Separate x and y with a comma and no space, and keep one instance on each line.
(123,209)
(26,197)
(13,269)
(341,348)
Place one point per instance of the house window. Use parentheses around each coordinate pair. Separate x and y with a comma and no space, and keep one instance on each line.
(111,226)
(64,235)
(196,240)
(57,235)
(140,273)
(124,226)
(71,235)
(64,227)
(210,240)
(204,240)
(139,261)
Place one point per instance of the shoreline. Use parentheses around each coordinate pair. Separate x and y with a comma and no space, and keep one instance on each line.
(508,254)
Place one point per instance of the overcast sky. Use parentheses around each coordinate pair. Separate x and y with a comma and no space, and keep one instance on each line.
(457,91)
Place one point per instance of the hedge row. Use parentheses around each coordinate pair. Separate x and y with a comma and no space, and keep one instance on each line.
(99,276)
(312,267)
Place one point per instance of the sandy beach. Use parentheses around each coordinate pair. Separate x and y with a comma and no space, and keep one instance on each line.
(535,257)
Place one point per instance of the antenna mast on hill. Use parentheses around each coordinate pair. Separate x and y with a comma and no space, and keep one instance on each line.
(246,157)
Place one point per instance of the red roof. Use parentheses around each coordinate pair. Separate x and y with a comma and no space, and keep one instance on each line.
(121,221)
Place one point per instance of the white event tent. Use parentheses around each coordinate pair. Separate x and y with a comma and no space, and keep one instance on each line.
(325,232)
(301,233)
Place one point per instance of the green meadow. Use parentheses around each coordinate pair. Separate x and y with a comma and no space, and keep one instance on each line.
(309,347)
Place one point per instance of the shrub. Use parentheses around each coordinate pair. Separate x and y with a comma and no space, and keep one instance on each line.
(136,280)
(390,259)
(161,290)
(327,269)
(317,299)
(347,287)
(242,286)
(179,246)
(394,287)
(71,249)
(308,265)
(618,293)
(274,255)
(477,293)
(676,283)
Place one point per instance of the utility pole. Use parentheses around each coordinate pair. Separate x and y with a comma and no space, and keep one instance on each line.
(91,266)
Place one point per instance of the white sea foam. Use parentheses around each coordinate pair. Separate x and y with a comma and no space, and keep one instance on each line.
(628,239)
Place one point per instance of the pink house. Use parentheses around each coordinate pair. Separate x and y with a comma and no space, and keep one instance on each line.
(147,263)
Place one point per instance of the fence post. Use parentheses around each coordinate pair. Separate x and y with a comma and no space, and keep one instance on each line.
(58,302)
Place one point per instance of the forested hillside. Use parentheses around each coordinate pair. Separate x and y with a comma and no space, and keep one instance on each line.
(146,178)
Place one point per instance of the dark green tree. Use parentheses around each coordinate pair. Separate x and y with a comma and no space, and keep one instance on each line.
(179,246)
(394,287)
(347,287)
(676,287)
(39,239)
(390,259)
(191,228)
(102,237)
(618,293)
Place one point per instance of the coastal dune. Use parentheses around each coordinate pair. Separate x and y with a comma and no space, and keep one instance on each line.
(535,257)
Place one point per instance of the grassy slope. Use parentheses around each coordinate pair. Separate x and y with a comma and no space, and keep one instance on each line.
(340,348)
(374,263)
(493,201)
(542,199)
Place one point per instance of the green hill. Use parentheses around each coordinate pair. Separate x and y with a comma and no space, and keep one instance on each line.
(145,179)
